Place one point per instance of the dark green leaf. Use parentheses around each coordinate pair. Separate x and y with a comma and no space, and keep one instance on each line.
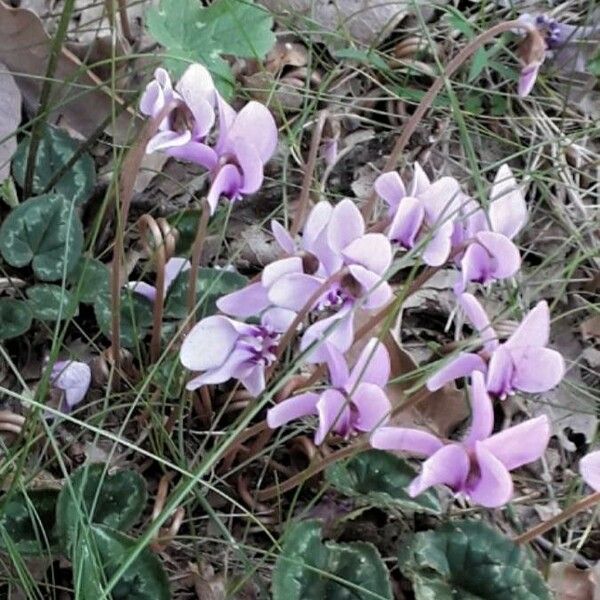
(193,33)
(51,303)
(15,318)
(27,521)
(211,284)
(55,149)
(98,557)
(471,561)
(379,478)
(46,232)
(90,279)
(93,496)
(307,568)
(136,317)
(478,63)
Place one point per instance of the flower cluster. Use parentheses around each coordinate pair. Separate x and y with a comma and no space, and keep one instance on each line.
(235,158)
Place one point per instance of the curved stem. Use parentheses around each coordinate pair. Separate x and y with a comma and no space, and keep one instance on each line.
(433,91)
(531,534)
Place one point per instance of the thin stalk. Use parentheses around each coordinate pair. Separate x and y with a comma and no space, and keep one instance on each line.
(534,532)
(196,256)
(36,132)
(433,91)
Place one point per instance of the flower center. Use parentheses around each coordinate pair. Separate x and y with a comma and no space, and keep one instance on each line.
(262,343)
(551,30)
(182,119)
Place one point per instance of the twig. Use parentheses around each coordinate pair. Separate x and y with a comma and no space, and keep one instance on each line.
(196,256)
(125,21)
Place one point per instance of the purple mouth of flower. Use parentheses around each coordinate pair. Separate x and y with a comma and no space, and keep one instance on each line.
(334,299)
(181,119)
(262,344)
(551,29)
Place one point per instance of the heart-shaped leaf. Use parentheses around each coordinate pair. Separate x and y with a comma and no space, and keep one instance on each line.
(55,149)
(380,479)
(211,284)
(92,496)
(51,302)
(90,279)
(27,522)
(98,557)
(471,561)
(44,231)
(15,318)
(136,317)
(307,568)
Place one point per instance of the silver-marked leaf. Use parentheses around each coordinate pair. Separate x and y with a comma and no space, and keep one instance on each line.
(55,149)
(380,479)
(15,318)
(51,302)
(89,280)
(46,232)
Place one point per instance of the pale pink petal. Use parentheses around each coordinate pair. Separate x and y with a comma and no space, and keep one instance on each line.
(226,118)
(246,302)
(407,222)
(460,366)
(256,124)
(521,444)
(508,211)
(254,380)
(391,188)
(376,291)
(475,265)
(276,270)
(143,289)
(438,248)
(278,319)
(74,378)
(173,268)
(165,140)
(282,237)
(479,319)
(234,363)
(198,91)
(337,330)
(250,164)
(448,466)
(346,225)
(505,256)
(334,415)
(195,152)
(441,200)
(227,182)
(536,370)
(372,366)
(316,222)
(401,439)
(337,366)
(500,373)
(482,411)
(493,486)
(372,250)
(420,182)
(589,467)
(372,405)
(293,291)
(534,329)
(293,408)
(527,78)
(152,100)
(217,333)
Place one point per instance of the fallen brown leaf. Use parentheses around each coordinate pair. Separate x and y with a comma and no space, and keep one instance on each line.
(567,582)
(10,117)
(590,328)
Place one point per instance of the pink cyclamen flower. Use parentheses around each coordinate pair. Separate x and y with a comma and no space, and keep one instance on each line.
(73,378)
(423,214)
(490,254)
(589,467)
(182,132)
(521,363)
(173,267)
(355,402)
(479,465)
(247,140)
(223,349)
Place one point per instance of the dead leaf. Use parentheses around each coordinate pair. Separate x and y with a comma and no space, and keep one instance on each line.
(78,96)
(590,328)
(10,117)
(567,582)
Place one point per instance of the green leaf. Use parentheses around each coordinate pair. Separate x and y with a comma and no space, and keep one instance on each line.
(478,63)
(91,496)
(192,33)
(136,317)
(90,279)
(307,568)
(46,232)
(368,58)
(15,318)
(380,479)
(27,521)
(99,556)
(593,65)
(55,149)
(51,303)
(471,561)
(211,284)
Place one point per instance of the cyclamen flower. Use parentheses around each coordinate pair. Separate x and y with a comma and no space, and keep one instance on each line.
(425,212)
(491,255)
(224,349)
(522,362)
(479,465)
(73,378)
(173,267)
(182,132)
(589,467)
(356,402)
(247,140)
